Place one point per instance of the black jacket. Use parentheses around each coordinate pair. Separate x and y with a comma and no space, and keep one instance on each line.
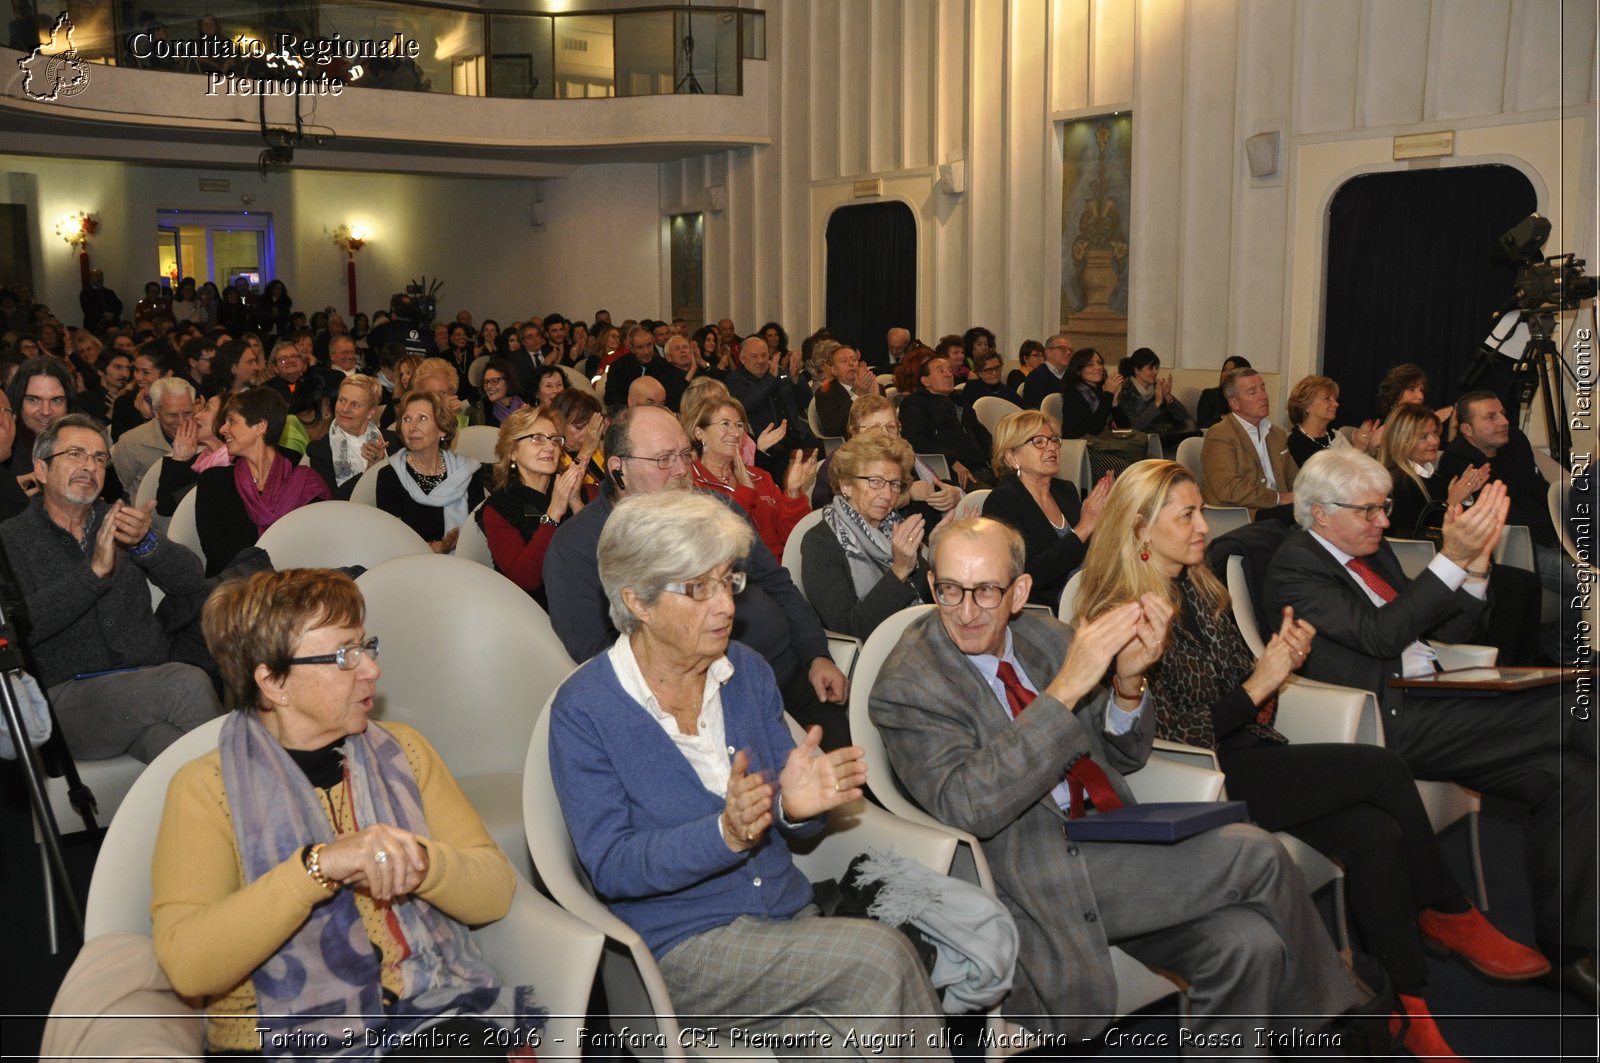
(1052,556)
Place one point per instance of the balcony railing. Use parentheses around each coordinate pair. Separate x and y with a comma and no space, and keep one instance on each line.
(426,46)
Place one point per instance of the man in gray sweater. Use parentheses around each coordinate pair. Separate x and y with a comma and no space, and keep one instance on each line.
(84,569)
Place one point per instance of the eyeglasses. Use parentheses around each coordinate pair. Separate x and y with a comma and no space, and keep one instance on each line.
(79,456)
(1045,442)
(950,594)
(742,426)
(348,658)
(878,483)
(1368,513)
(540,439)
(706,587)
(888,428)
(666,461)
(992,367)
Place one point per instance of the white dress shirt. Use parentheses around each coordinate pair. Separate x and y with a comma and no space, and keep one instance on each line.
(707,752)
(1258,436)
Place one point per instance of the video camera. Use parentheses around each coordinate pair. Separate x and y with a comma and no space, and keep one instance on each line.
(1544,285)
(418,303)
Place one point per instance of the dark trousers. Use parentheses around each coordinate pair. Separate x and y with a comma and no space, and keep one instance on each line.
(1359,805)
(1530,748)
(800,701)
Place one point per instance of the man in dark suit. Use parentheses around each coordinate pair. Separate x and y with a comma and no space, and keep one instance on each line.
(1049,376)
(1338,574)
(641,360)
(983,708)
(768,403)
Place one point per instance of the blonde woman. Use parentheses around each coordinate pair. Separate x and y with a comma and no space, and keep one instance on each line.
(530,497)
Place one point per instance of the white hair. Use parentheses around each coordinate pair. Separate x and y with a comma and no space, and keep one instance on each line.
(662,537)
(170,385)
(1335,475)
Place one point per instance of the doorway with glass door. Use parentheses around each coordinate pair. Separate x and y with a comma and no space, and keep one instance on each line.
(216,246)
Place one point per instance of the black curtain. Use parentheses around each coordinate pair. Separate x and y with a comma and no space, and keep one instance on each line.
(872,275)
(1413,276)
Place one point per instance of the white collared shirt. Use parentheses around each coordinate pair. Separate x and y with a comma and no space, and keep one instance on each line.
(1258,436)
(1118,720)
(1418,658)
(707,752)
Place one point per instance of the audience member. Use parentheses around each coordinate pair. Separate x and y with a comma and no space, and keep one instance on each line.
(353,444)
(235,367)
(1091,402)
(531,496)
(984,708)
(647,451)
(1407,383)
(1030,356)
(133,408)
(672,831)
(769,403)
(427,485)
(1354,803)
(13,498)
(863,561)
(1147,401)
(1338,574)
(849,378)
(717,430)
(41,392)
(113,368)
(931,422)
(497,401)
(1246,460)
(1043,509)
(1049,375)
(100,304)
(875,415)
(640,361)
(101,655)
(234,504)
(142,449)
(317,842)
(1212,407)
(1313,404)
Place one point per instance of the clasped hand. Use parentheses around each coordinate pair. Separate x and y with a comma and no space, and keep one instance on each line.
(1133,634)
(352,860)
(812,782)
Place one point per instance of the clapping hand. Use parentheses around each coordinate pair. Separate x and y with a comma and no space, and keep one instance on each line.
(814,782)
(905,543)
(1095,643)
(943,497)
(1286,652)
(564,493)
(772,435)
(1113,385)
(132,522)
(1470,535)
(103,559)
(801,475)
(1093,506)
(1149,640)
(353,861)
(1466,485)
(747,807)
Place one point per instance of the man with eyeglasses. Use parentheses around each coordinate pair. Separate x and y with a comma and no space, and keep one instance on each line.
(997,723)
(1372,623)
(849,378)
(640,361)
(1050,375)
(85,569)
(647,451)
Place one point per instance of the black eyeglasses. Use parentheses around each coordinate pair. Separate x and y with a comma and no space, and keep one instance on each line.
(1042,442)
(878,483)
(348,658)
(1369,513)
(950,594)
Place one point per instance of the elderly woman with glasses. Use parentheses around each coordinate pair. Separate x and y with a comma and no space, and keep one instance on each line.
(426,484)
(717,426)
(532,495)
(681,788)
(864,561)
(315,875)
(875,415)
(1044,510)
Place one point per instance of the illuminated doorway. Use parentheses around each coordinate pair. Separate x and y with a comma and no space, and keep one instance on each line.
(215,246)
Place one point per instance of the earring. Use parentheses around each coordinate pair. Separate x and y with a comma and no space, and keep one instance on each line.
(513,463)
(1144,552)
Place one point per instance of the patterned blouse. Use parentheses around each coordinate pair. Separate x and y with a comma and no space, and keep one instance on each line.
(1198,685)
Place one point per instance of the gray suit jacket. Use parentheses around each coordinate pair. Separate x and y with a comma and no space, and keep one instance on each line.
(960,757)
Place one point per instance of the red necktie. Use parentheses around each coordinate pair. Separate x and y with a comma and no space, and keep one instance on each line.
(1083,773)
(1367,575)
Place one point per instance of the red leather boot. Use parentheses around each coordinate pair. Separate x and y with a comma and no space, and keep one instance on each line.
(1422,1038)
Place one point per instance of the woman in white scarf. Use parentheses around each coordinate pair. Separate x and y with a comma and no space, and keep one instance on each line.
(426,485)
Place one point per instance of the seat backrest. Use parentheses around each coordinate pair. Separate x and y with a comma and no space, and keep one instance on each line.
(791,548)
(148,485)
(476,368)
(1074,465)
(576,379)
(1220,520)
(332,534)
(1189,451)
(472,546)
(477,441)
(1051,406)
(1244,613)
(811,418)
(119,892)
(182,529)
(366,489)
(1413,555)
(991,409)
(869,662)
(1069,598)
(468,658)
(971,504)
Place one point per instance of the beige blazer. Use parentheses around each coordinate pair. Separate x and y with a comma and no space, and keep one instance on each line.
(1230,469)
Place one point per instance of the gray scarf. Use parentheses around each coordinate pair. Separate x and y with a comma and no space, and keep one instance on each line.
(865,547)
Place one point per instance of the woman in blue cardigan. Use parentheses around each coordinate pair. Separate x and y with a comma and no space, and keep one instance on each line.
(680,785)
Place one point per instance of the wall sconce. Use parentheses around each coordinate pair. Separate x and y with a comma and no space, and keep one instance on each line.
(350,239)
(76,229)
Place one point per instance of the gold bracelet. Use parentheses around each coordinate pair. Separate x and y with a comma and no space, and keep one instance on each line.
(1144,684)
(314,869)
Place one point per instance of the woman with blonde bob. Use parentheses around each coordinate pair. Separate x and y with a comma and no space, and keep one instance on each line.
(1045,510)
(530,496)
(426,484)
(1313,403)
(315,875)
(1358,804)
(864,561)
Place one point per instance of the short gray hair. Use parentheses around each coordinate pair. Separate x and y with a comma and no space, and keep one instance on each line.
(44,444)
(1230,382)
(977,527)
(1334,475)
(655,539)
(170,385)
